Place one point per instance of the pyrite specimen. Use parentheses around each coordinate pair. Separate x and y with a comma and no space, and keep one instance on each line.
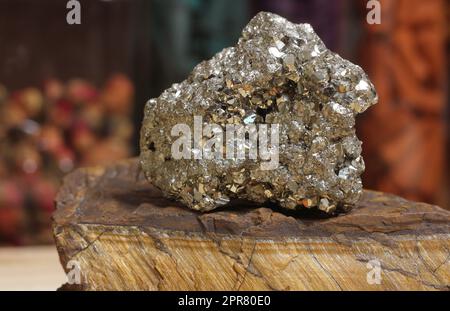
(279,74)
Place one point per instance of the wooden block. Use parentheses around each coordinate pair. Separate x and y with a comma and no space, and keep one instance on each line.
(125,236)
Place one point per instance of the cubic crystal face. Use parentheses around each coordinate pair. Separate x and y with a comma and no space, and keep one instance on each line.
(279,73)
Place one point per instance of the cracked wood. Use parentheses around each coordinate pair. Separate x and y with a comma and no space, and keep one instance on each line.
(125,235)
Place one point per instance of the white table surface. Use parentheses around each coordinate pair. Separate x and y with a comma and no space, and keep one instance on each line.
(30,268)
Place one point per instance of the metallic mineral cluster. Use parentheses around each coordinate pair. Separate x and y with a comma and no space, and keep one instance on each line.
(278,73)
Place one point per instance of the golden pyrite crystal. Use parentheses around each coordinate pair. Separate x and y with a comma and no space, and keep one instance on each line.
(271,120)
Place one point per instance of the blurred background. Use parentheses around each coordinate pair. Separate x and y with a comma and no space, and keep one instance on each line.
(73,95)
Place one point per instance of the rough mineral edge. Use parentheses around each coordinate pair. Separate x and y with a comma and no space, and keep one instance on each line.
(278,73)
(126,236)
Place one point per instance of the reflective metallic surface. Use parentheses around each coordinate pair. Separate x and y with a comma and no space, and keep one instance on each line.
(278,73)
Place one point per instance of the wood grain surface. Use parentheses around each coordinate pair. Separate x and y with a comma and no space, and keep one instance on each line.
(125,235)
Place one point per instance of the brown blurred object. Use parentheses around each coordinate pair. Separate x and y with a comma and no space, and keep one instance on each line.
(404,135)
(116,94)
(44,134)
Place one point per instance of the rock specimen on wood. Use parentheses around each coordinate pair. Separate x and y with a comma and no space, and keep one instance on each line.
(271,119)
(123,235)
